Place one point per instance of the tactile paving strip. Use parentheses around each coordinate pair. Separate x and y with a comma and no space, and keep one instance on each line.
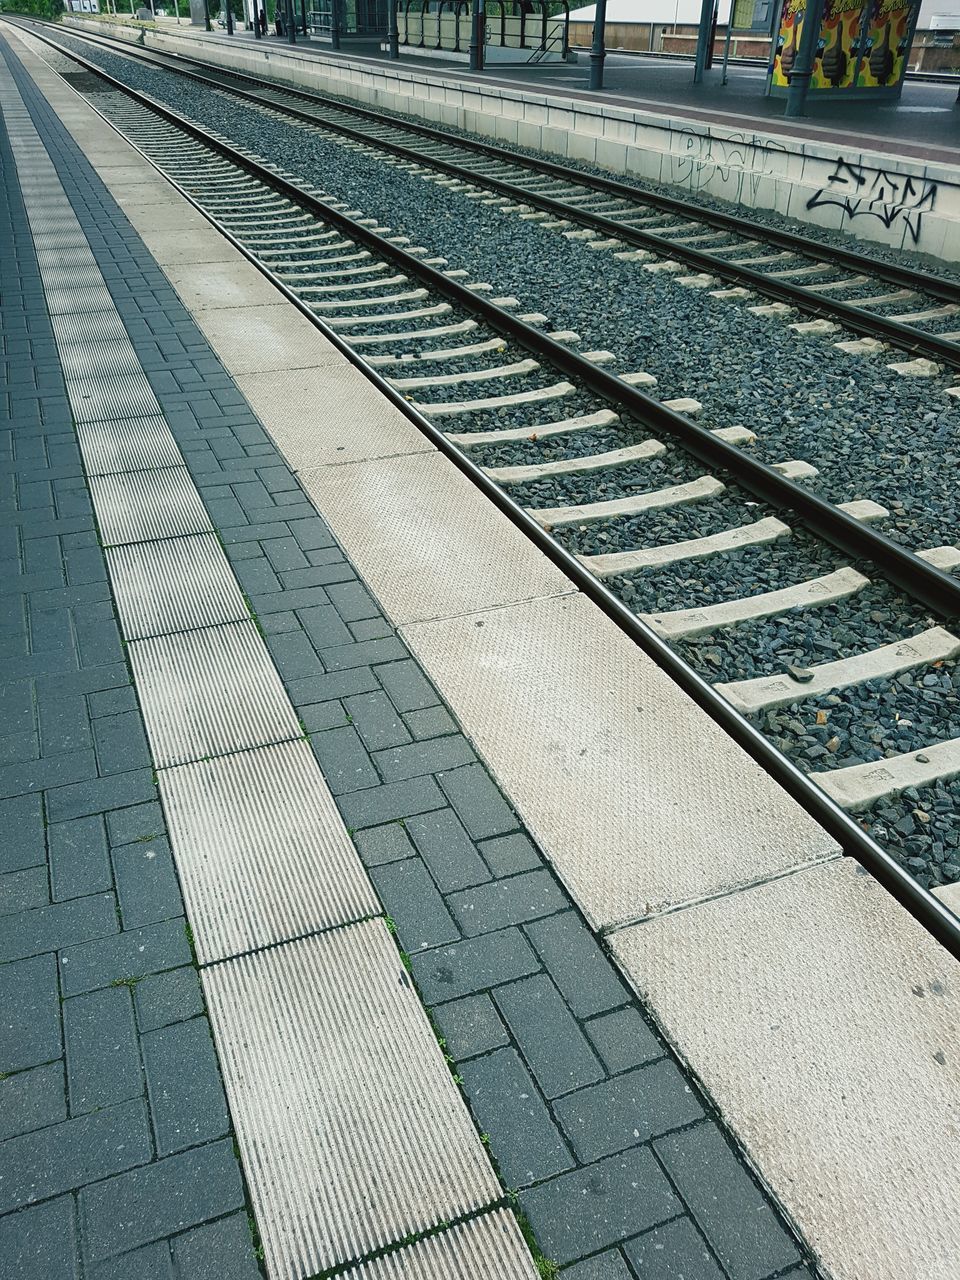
(352,1131)
(206,693)
(486,1248)
(262,852)
(175,585)
(134,444)
(140,506)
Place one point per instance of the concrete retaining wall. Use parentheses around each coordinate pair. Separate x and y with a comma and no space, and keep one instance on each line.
(875,197)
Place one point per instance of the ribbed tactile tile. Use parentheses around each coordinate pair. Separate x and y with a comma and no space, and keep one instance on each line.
(823,1021)
(121,392)
(426,540)
(174,585)
(352,1132)
(205,693)
(638,798)
(486,1248)
(133,444)
(262,852)
(141,506)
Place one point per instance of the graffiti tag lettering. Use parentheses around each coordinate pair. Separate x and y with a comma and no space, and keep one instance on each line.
(874,193)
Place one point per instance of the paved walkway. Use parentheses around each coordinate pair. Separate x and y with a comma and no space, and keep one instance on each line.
(120,1155)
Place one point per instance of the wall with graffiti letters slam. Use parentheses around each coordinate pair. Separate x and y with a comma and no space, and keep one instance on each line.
(893,200)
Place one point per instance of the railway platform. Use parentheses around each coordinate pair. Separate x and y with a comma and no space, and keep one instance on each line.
(373,907)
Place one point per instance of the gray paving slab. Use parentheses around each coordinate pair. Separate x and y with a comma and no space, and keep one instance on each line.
(128,445)
(383,1124)
(486,1248)
(139,506)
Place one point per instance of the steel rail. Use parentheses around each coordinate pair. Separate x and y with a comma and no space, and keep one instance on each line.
(944,290)
(932,587)
(929,912)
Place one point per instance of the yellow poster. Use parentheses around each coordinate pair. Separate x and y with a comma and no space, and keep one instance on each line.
(885,49)
(791,25)
(836,60)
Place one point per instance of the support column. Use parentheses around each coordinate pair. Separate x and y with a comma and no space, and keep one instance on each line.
(291,22)
(206,14)
(703,38)
(229,12)
(394,30)
(477,23)
(598,51)
(803,67)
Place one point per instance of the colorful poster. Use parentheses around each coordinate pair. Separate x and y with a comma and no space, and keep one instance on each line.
(838,49)
(886,46)
(788,38)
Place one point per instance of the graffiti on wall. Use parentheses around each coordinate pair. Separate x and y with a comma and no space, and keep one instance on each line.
(725,165)
(862,192)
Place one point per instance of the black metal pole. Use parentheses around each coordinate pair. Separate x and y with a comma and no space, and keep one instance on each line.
(206,15)
(255,9)
(226,5)
(303,16)
(477,25)
(802,69)
(703,39)
(393,33)
(290,21)
(334,24)
(598,52)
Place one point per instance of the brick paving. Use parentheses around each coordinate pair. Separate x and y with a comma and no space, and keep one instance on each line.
(115,1128)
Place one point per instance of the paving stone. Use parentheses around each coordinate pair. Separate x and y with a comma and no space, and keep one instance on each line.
(512,901)
(221,1251)
(70,1155)
(572,956)
(370,629)
(183,1085)
(29,1013)
(115,792)
(40,1243)
(509,855)
(376,805)
(345,764)
(147,887)
(339,684)
(447,850)
(131,954)
(121,743)
(294,655)
(164,998)
(62,924)
(523,1138)
(589,1209)
(473,965)
(22,843)
(377,721)
(138,822)
(54,771)
(726,1203)
(431,722)
(623,1039)
(103,1057)
(160,1199)
(602,1266)
(675,1251)
(406,685)
(112,702)
(79,858)
(31,1100)
(352,601)
(411,898)
(633,1107)
(327,629)
(363,653)
(311,533)
(429,756)
(284,553)
(481,807)
(151,1263)
(23,890)
(470,1026)
(388,843)
(320,574)
(555,1049)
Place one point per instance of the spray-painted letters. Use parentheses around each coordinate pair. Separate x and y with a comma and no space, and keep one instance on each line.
(874,193)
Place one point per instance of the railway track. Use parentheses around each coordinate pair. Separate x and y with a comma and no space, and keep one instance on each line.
(798,275)
(459,357)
